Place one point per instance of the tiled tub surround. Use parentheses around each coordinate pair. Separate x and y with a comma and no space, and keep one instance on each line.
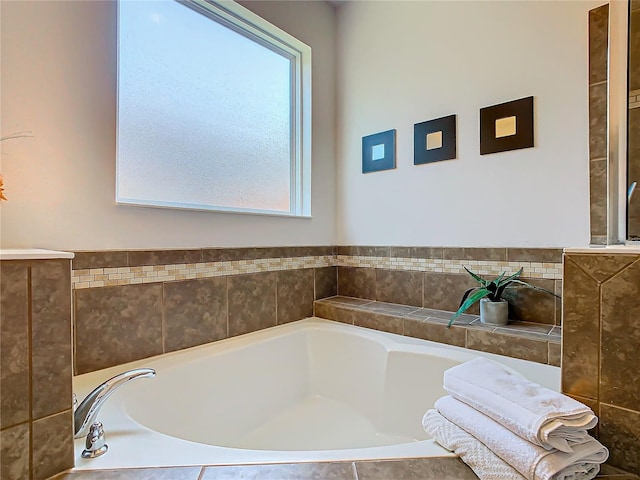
(35,368)
(528,341)
(313,390)
(601,341)
(434,277)
(115,325)
(135,304)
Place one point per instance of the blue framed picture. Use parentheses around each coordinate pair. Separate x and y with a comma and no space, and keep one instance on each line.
(379,152)
(434,140)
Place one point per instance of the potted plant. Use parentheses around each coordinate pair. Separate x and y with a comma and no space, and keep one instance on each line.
(494,309)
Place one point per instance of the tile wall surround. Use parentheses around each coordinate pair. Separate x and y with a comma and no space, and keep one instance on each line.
(113,268)
(598,84)
(433,277)
(130,305)
(601,340)
(35,366)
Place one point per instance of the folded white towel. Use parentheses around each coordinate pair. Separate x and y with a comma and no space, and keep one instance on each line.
(485,463)
(533,462)
(544,417)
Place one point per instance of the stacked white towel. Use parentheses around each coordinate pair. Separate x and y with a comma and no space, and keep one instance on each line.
(497,420)
(542,416)
(486,464)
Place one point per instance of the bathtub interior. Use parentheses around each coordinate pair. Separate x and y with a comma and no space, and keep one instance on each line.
(308,391)
(311,389)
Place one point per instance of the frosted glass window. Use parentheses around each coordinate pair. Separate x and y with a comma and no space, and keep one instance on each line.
(211,109)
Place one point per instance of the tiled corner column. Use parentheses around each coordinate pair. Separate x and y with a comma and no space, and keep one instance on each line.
(35,369)
(598,80)
(600,345)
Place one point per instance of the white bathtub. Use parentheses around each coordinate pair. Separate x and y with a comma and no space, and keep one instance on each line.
(312,390)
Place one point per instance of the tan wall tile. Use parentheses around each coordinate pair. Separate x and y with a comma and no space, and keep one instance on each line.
(14,343)
(619,373)
(602,267)
(510,345)
(116,325)
(295,295)
(357,282)
(14,452)
(581,332)
(436,332)
(51,337)
(620,432)
(598,43)
(195,312)
(52,445)
(405,288)
(252,302)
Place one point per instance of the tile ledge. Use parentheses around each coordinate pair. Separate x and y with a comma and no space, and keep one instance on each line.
(32,254)
(510,330)
(607,249)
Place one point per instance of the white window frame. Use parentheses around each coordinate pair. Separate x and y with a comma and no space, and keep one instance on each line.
(253,27)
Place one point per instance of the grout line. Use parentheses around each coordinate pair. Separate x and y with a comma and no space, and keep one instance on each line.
(226,289)
(276,289)
(30,364)
(74,307)
(611,405)
(315,271)
(355,471)
(599,346)
(201,475)
(162,319)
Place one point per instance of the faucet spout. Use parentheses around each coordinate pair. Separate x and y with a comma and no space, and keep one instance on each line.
(86,413)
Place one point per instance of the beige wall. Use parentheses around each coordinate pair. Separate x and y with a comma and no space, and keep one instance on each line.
(59,81)
(401,63)
(398,63)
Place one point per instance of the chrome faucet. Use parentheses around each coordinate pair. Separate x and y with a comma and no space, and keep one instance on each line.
(85,415)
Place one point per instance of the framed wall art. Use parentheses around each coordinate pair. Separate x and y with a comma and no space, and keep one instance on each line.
(507,126)
(379,152)
(434,140)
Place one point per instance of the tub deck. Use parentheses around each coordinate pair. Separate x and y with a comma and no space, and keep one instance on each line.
(329,404)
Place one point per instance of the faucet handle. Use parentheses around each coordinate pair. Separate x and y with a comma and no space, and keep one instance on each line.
(95,443)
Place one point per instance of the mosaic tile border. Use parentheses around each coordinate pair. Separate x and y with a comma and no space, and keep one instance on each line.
(551,271)
(114,276)
(106,277)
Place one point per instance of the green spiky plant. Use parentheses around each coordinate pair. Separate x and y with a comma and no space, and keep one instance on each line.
(494,290)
